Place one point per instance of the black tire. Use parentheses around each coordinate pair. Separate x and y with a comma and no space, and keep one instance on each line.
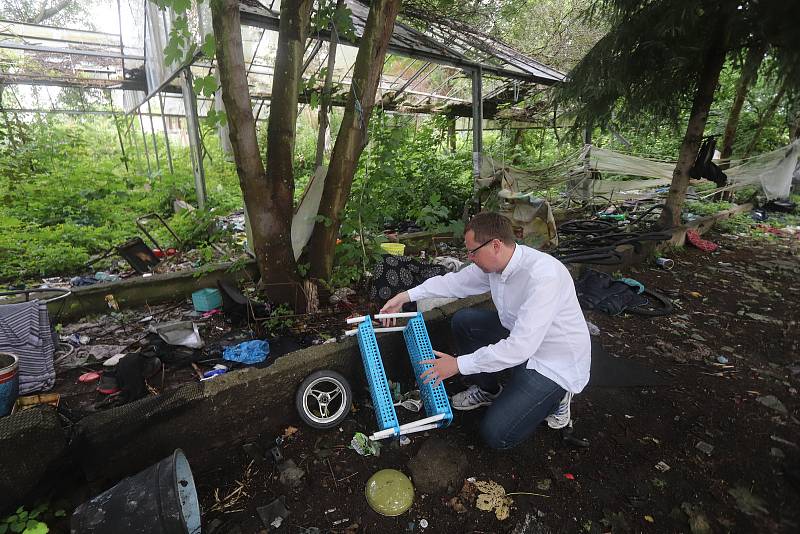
(659,305)
(315,395)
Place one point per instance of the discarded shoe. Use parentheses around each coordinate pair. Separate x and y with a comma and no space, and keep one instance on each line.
(108,384)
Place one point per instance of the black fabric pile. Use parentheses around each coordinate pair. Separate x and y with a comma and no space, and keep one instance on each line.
(394,274)
(598,291)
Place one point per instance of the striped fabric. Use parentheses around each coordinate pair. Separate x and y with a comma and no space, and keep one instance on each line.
(25,332)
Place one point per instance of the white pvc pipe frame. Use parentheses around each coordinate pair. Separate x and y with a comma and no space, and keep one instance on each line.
(427,423)
(361,319)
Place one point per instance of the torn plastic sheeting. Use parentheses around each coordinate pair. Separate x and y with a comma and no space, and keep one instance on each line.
(182,333)
(248,352)
(364,446)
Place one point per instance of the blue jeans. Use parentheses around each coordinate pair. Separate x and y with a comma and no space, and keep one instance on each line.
(527,398)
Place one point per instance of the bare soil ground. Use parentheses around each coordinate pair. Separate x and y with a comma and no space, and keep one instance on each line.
(741,303)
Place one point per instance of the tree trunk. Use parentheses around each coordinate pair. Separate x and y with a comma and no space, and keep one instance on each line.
(352,137)
(268,197)
(765,118)
(747,78)
(325,101)
(703,97)
(519,135)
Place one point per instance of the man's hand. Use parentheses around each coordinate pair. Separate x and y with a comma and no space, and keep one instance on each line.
(394,305)
(443,368)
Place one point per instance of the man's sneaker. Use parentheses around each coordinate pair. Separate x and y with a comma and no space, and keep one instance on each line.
(560,418)
(473,397)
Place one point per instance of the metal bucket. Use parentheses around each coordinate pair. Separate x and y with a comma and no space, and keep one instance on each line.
(9,382)
(160,500)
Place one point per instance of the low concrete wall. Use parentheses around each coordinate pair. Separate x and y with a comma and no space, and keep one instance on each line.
(139,291)
(204,419)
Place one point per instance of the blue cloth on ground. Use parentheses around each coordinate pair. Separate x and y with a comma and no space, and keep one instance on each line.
(638,286)
(248,352)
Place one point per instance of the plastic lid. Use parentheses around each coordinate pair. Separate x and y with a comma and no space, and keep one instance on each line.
(389,492)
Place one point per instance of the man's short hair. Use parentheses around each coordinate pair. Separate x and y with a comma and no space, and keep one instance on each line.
(488,225)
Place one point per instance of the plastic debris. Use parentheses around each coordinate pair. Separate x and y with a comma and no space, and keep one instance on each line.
(569,476)
(248,352)
(364,446)
(182,333)
(423,523)
(594,330)
(702,446)
(663,467)
(404,440)
(493,498)
(771,401)
(274,513)
(722,359)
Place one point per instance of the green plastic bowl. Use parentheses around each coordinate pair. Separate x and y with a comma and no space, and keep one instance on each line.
(389,492)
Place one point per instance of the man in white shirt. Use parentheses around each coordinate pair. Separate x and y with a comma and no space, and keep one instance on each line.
(538,331)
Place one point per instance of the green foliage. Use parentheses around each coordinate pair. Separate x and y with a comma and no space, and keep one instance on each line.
(66,195)
(25,522)
(280,320)
(650,60)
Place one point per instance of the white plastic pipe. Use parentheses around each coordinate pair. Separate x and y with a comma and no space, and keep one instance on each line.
(426,423)
(378,330)
(395,315)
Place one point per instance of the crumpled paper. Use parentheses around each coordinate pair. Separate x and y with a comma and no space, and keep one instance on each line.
(365,446)
(493,497)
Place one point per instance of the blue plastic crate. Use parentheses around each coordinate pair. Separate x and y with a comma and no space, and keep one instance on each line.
(419,347)
(206,299)
(376,377)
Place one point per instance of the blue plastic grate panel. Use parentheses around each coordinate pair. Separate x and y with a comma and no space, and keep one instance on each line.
(376,376)
(419,348)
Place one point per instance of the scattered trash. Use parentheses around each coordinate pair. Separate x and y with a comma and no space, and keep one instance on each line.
(649,519)
(665,263)
(113,360)
(112,302)
(207,299)
(89,377)
(181,333)
(698,522)
(702,446)
(275,513)
(212,373)
(663,467)
(771,401)
(492,497)
(289,431)
(404,440)
(248,352)
(290,474)
(695,294)
(776,452)
(722,359)
(423,523)
(569,476)
(543,484)
(594,330)
(694,238)
(747,502)
(364,446)
(340,521)
(389,492)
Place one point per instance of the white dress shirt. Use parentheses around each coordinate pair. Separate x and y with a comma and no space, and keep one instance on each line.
(536,301)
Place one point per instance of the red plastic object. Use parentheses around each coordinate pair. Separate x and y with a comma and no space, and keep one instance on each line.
(569,476)
(694,238)
(158,253)
(89,377)
(171,252)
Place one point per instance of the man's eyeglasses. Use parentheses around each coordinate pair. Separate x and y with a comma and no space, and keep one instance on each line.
(476,249)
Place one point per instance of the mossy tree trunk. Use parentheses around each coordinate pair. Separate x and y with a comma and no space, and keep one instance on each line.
(703,98)
(352,137)
(267,191)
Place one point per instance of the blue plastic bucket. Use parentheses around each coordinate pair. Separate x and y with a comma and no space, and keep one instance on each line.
(9,382)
